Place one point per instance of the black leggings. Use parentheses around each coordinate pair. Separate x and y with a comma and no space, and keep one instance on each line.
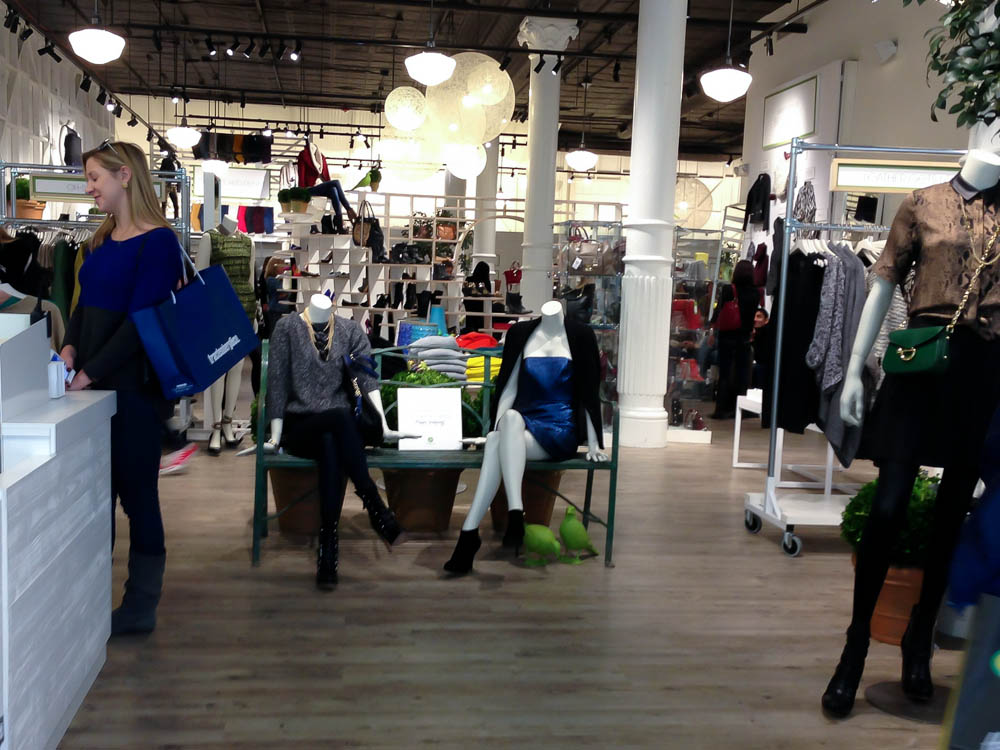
(892,498)
(135,470)
(331,439)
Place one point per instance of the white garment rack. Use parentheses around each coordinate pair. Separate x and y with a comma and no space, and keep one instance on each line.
(791,510)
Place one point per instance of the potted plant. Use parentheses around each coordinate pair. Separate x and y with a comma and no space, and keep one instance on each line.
(26,208)
(299,198)
(423,499)
(285,201)
(902,584)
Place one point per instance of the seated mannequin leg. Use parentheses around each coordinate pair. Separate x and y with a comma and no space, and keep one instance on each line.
(331,485)
(489,482)
(517,445)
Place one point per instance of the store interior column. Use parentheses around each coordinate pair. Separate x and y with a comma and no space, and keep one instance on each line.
(484,238)
(646,286)
(543,130)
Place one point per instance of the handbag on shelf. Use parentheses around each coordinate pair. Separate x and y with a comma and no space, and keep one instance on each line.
(581,255)
(924,350)
(729,316)
(580,304)
(367,416)
(613,259)
(367,230)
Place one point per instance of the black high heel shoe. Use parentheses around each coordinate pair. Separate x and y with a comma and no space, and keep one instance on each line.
(466,549)
(382,519)
(514,536)
(917,683)
(326,557)
(838,700)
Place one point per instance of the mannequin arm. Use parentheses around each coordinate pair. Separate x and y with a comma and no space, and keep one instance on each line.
(204,257)
(593,451)
(388,435)
(271,446)
(509,394)
(852,402)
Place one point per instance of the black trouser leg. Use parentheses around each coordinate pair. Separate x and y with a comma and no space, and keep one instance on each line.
(135,471)
(352,450)
(895,485)
(331,495)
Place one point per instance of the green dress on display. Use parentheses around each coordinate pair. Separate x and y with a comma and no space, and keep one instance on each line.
(234,252)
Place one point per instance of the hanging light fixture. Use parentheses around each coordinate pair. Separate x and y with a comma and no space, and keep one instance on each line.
(430,67)
(729,82)
(96,44)
(580,159)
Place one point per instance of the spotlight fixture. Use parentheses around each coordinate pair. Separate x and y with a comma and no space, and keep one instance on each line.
(282,49)
(769,45)
(96,44)
(350,145)
(10,20)
(149,135)
(321,133)
(50,50)
(175,98)
(243,100)
(248,50)
(157,42)
(133,121)
(28,31)
(110,106)
(505,63)
(186,98)
(729,161)
(265,47)
(616,72)
(266,132)
(102,95)
(231,49)
(555,68)
(85,83)
(296,53)
(117,111)
(541,64)
(729,82)
(163,147)
(590,176)
(289,133)
(212,49)
(570,178)
(368,143)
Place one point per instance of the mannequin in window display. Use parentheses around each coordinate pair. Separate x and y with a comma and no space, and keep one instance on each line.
(312,417)
(548,405)
(233,250)
(941,232)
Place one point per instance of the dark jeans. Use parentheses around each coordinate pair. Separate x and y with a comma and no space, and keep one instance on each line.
(330,438)
(332,190)
(135,470)
(734,369)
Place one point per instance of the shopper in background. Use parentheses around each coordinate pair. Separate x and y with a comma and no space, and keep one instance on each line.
(734,320)
(137,262)
(761,346)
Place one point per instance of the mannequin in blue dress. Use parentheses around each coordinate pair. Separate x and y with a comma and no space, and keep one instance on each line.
(535,421)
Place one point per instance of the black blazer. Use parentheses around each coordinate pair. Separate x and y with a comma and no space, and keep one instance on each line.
(586,372)
(759,202)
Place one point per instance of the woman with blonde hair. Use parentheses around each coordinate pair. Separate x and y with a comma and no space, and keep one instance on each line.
(136,262)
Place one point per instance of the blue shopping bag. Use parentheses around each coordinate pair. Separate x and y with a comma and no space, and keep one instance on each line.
(196,336)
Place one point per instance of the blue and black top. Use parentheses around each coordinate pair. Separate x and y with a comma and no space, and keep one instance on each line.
(119,278)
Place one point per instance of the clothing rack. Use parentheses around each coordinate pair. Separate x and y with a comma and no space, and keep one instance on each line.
(788,511)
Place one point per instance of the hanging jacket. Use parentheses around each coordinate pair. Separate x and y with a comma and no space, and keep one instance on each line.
(759,202)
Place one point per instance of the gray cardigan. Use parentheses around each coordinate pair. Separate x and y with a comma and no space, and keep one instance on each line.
(298,381)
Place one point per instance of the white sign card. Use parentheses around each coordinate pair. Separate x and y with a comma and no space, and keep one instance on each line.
(239,182)
(69,187)
(790,113)
(433,413)
(872,176)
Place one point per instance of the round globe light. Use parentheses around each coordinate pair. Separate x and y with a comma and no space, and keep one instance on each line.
(405,108)
(488,83)
(465,161)
(430,68)
(183,136)
(581,160)
(726,84)
(498,115)
(96,45)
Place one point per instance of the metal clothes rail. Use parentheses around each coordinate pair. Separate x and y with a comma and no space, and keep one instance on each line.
(806,510)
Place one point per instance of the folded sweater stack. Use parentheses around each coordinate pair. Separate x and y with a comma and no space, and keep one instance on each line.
(441,354)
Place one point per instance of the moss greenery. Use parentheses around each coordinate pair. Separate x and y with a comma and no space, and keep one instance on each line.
(426,377)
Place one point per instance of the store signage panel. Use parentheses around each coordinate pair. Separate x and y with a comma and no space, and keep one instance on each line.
(790,113)
(68,187)
(239,182)
(873,176)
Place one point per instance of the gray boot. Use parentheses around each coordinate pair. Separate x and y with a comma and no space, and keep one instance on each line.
(137,613)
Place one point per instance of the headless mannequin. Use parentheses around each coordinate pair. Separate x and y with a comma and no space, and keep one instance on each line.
(510,444)
(319,161)
(895,483)
(216,414)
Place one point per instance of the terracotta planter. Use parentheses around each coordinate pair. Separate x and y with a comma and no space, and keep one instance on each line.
(300,207)
(422,498)
(539,502)
(287,485)
(286,208)
(900,592)
(30,209)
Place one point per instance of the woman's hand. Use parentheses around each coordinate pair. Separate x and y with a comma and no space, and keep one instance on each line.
(81,381)
(68,355)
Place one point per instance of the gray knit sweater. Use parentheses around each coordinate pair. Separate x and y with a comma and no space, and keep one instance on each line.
(298,381)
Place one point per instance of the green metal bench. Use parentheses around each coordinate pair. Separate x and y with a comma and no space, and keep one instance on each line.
(392,458)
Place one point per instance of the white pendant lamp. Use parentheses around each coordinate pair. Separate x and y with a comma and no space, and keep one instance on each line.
(430,67)
(405,108)
(183,136)
(729,82)
(580,159)
(96,44)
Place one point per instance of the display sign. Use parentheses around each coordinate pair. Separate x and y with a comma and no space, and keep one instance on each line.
(69,187)
(790,113)
(875,176)
(238,182)
(433,413)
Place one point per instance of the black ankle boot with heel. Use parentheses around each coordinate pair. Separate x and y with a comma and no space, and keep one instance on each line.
(382,519)
(514,536)
(466,549)
(917,647)
(838,700)
(326,557)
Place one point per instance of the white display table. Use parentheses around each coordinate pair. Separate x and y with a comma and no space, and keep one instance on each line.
(55,545)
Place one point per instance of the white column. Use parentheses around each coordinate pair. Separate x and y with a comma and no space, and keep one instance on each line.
(543,131)
(484,238)
(646,286)
(453,186)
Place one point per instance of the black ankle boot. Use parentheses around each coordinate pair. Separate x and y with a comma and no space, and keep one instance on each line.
(838,700)
(326,557)
(466,549)
(382,519)
(397,295)
(917,646)
(514,536)
(411,297)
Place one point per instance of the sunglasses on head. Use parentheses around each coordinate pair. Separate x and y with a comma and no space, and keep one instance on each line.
(107,144)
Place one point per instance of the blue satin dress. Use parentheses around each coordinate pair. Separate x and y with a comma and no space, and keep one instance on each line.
(545,401)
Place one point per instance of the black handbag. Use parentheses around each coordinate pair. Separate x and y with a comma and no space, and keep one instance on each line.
(367,416)
(580,304)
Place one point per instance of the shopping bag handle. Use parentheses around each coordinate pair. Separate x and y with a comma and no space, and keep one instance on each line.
(185,262)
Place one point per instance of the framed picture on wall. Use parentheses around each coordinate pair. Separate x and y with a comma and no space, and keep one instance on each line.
(790,113)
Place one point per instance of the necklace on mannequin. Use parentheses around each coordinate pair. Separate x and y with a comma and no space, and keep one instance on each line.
(314,334)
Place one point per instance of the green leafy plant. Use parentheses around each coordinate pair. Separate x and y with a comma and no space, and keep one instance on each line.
(283,196)
(426,377)
(21,188)
(910,550)
(254,406)
(299,195)
(967,62)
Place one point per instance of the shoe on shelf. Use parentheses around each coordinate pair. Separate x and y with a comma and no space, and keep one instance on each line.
(328,258)
(697,421)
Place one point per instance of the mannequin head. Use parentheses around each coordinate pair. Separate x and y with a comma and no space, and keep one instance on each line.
(228,225)
(320,307)
(119,182)
(981,169)
(552,311)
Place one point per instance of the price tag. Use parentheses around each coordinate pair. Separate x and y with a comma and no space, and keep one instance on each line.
(577,263)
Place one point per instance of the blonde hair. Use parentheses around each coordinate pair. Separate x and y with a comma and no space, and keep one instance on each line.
(142,201)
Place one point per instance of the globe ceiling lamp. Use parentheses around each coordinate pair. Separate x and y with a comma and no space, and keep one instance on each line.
(580,159)
(465,161)
(183,136)
(96,44)
(430,67)
(405,108)
(729,82)
(488,83)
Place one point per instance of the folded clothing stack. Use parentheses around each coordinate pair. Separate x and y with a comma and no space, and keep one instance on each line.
(441,354)
(476,369)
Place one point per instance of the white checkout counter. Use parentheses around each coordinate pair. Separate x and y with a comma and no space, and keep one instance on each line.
(55,544)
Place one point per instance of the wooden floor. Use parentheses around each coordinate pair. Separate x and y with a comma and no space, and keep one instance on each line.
(703,636)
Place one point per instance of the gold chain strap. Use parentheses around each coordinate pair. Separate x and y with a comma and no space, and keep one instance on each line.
(984,259)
